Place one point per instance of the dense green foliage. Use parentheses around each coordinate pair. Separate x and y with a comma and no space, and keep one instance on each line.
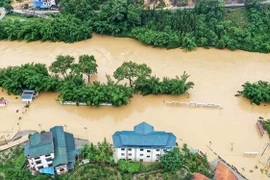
(257,92)
(140,80)
(11,165)
(97,93)
(129,166)
(6,4)
(207,25)
(131,71)
(100,153)
(65,28)
(153,85)
(178,158)
(27,76)
(67,79)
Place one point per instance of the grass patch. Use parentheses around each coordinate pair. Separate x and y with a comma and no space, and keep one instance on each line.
(14,17)
(19,161)
(237,16)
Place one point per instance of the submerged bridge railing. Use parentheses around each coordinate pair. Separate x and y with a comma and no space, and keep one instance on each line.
(192,104)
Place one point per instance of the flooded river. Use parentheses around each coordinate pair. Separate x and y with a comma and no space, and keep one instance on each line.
(217,75)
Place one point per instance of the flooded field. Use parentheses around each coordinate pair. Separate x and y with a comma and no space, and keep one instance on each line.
(217,75)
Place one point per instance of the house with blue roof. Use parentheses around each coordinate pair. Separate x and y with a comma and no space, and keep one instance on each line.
(143,144)
(51,152)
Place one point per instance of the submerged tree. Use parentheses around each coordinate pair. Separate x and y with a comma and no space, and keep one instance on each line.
(257,92)
(132,71)
(88,65)
(61,65)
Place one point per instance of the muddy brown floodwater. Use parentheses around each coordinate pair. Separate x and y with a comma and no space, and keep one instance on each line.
(217,75)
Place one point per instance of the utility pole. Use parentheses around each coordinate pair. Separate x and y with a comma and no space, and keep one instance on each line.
(265,149)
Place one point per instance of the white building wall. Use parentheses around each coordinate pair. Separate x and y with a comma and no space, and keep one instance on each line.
(41,161)
(138,154)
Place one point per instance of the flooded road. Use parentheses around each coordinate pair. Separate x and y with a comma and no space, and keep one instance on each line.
(217,75)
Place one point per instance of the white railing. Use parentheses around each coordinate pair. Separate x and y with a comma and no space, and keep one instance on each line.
(192,104)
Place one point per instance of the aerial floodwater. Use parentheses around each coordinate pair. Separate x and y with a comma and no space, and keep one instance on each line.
(217,74)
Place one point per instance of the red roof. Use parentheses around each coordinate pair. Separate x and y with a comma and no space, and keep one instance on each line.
(224,173)
(198,176)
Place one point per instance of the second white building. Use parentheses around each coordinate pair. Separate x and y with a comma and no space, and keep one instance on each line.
(142,144)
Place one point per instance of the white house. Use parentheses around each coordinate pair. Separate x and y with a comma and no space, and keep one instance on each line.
(40,151)
(142,144)
(28,95)
(51,152)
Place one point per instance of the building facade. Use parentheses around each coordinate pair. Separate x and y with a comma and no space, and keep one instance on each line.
(51,152)
(142,144)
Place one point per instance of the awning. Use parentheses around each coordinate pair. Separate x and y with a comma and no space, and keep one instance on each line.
(48,170)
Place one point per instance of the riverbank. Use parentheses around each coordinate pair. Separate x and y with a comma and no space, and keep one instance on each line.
(217,75)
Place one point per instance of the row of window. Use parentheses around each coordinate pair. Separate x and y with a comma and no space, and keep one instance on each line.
(123,149)
(141,160)
(123,154)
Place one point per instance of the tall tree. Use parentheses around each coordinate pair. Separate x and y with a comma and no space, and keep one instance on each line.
(61,65)
(131,71)
(88,65)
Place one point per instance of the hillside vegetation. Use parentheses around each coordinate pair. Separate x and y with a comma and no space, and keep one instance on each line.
(207,25)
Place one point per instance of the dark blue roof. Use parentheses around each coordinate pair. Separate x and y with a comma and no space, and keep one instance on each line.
(64,147)
(39,144)
(144,136)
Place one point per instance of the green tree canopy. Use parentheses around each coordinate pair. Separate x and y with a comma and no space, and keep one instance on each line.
(61,65)
(88,65)
(131,71)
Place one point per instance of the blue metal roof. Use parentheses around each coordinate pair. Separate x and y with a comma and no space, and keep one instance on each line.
(143,128)
(144,136)
(48,170)
(27,96)
(37,4)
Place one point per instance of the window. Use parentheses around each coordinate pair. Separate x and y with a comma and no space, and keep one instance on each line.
(48,155)
(129,149)
(148,156)
(122,149)
(129,154)
(148,150)
(156,160)
(129,159)
(38,162)
(141,154)
(141,149)
(141,160)
(122,154)
(50,159)
(157,149)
